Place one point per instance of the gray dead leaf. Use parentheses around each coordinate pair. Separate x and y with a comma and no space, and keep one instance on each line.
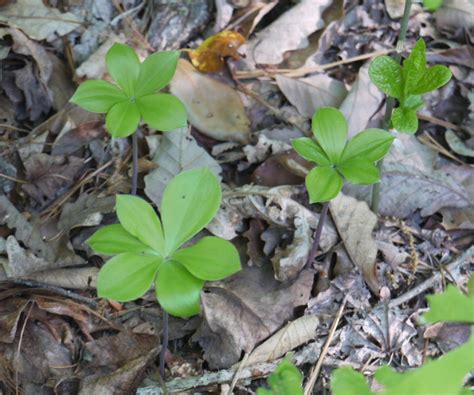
(355,223)
(215,109)
(265,147)
(83,278)
(454,14)
(177,151)
(395,8)
(38,21)
(411,181)
(245,309)
(362,102)
(309,94)
(458,145)
(292,335)
(277,207)
(289,32)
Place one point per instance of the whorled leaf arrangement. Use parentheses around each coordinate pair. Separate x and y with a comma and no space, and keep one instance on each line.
(148,250)
(337,158)
(407,84)
(135,94)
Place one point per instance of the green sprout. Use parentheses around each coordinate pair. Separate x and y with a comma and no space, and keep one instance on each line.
(407,84)
(285,380)
(148,250)
(135,94)
(336,157)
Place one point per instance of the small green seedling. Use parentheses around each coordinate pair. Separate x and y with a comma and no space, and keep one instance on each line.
(285,380)
(148,250)
(135,94)
(407,84)
(337,158)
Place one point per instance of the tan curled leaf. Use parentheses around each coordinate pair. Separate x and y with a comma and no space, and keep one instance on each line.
(214,108)
(355,223)
(292,335)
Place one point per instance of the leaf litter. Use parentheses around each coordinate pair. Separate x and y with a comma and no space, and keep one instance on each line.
(60,171)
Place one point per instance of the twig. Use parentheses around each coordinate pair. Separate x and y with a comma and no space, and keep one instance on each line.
(164,345)
(316,369)
(317,236)
(237,373)
(134,164)
(452,268)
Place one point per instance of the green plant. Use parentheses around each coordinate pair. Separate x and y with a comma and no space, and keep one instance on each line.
(148,250)
(337,158)
(407,84)
(135,92)
(443,376)
(285,380)
(432,5)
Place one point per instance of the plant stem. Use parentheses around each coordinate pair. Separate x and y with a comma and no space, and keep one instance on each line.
(164,345)
(317,236)
(390,103)
(134,164)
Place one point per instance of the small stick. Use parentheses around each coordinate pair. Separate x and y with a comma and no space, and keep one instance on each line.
(164,345)
(237,373)
(317,236)
(315,371)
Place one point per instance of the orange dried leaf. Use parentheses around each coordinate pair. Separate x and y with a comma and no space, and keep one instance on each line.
(209,56)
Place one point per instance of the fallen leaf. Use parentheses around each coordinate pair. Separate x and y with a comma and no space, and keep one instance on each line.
(454,14)
(395,8)
(292,335)
(309,94)
(75,139)
(245,309)
(209,56)
(362,102)
(176,152)
(355,223)
(457,145)
(38,21)
(220,114)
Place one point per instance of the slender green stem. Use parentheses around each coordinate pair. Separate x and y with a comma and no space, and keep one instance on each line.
(164,344)
(317,235)
(134,164)
(390,102)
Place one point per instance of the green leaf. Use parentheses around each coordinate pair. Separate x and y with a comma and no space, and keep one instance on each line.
(190,201)
(386,74)
(323,184)
(432,5)
(139,219)
(177,290)
(451,305)
(359,171)
(370,144)
(413,102)
(122,119)
(114,239)
(432,79)
(127,276)
(442,376)
(162,111)
(310,150)
(97,96)
(211,258)
(347,381)
(156,72)
(285,380)
(124,67)
(414,66)
(330,130)
(405,120)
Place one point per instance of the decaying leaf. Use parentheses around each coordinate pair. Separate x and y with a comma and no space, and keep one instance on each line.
(310,93)
(454,14)
(245,309)
(277,207)
(355,223)
(219,114)
(457,145)
(292,335)
(176,152)
(209,56)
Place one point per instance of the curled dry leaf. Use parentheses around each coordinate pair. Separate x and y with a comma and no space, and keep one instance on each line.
(292,335)
(355,223)
(214,108)
(245,309)
(458,145)
(277,207)
(176,152)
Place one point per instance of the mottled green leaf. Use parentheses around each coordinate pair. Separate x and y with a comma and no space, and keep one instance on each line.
(433,78)
(124,67)
(386,74)
(127,276)
(156,72)
(310,150)
(177,290)
(370,145)
(122,119)
(330,129)
(211,258)
(414,66)
(162,111)
(359,171)
(97,96)
(405,120)
(323,184)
